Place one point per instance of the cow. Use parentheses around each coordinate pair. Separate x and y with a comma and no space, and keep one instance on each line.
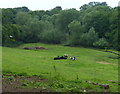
(72,58)
(61,57)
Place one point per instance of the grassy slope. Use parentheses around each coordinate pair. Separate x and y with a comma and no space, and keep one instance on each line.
(41,62)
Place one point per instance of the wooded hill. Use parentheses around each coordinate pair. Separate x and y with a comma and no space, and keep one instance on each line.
(94,25)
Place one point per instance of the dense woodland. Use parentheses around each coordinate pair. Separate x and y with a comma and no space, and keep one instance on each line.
(94,25)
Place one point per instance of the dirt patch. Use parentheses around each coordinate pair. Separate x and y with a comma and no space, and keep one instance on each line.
(11,83)
(103,62)
(35,48)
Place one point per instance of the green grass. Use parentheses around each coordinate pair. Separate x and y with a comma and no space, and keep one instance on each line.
(40,62)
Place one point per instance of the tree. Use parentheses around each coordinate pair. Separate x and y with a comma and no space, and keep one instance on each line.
(92,4)
(64,18)
(93,24)
(11,34)
(8,16)
(112,35)
(87,39)
(22,18)
(97,17)
(38,13)
(55,10)
(32,30)
(51,34)
(30,26)
(101,43)
(22,9)
(75,31)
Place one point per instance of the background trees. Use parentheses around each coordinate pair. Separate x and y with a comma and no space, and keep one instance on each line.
(94,25)
(75,33)
(89,38)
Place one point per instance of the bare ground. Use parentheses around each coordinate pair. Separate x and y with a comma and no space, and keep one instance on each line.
(103,62)
(15,84)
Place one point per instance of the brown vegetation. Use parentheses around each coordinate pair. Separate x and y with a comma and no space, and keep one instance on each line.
(35,48)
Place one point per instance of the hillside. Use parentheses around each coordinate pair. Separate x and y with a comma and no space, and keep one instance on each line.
(90,65)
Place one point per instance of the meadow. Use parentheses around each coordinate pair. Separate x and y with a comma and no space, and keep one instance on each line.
(91,65)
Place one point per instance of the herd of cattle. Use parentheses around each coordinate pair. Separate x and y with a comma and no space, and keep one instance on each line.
(64,57)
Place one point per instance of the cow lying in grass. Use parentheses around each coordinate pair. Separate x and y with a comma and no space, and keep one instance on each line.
(61,57)
(72,58)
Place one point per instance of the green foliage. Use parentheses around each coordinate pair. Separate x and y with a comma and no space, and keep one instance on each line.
(22,9)
(9,79)
(8,16)
(55,10)
(74,32)
(22,18)
(112,36)
(74,26)
(101,43)
(98,18)
(87,39)
(92,4)
(65,17)
(51,36)
(31,27)
(57,26)
(11,35)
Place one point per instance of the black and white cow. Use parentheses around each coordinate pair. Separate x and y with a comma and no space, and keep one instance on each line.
(72,58)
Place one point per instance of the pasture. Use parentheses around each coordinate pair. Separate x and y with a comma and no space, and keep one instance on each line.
(91,65)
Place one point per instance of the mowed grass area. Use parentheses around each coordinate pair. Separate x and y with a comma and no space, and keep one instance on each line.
(90,64)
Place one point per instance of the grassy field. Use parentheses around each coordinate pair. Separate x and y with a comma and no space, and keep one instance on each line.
(90,65)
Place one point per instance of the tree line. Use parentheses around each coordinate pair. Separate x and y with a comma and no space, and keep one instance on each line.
(94,25)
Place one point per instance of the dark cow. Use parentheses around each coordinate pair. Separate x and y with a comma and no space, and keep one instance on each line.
(61,57)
